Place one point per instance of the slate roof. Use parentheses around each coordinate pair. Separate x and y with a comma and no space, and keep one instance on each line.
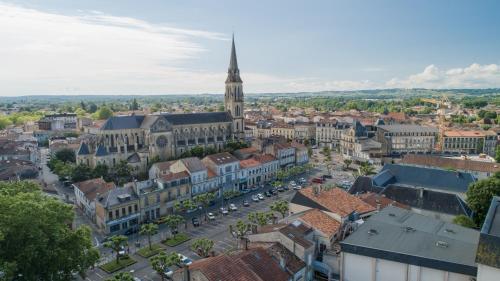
(134,158)
(198,118)
(110,198)
(123,122)
(423,177)
(141,121)
(193,164)
(84,149)
(404,236)
(363,184)
(222,158)
(101,151)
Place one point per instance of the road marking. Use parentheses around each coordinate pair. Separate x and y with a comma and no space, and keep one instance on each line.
(100,276)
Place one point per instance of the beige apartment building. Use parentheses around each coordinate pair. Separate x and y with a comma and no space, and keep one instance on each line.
(468,142)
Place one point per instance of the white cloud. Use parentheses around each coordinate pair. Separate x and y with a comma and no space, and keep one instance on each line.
(94,53)
(473,76)
(97,53)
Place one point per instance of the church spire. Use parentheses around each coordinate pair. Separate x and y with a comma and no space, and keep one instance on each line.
(233,73)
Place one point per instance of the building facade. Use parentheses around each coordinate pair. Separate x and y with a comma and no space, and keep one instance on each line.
(468,142)
(138,138)
(402,139)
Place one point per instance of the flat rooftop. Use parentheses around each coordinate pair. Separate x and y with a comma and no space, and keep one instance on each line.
(404,236)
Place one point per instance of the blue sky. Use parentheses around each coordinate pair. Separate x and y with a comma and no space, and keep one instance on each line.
(162,47)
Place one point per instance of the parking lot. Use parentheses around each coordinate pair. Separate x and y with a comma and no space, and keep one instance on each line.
(216,230)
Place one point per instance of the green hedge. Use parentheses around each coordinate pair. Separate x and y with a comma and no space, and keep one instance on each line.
(145,252)
(176,240)
(112,266)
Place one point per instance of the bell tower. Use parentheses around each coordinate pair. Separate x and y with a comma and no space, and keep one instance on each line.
(233,98)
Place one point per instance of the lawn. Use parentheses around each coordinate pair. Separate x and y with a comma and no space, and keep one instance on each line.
(176,240)
(112,266)
(146,252)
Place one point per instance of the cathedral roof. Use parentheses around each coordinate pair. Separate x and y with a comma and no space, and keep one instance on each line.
(123,122)
(84,149)
(101,151)
(198,118)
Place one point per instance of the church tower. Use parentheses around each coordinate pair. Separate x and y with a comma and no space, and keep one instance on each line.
(233,98)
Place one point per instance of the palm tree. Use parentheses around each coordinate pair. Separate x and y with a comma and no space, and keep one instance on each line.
(122,276)
(149,229)
(260,218)
(202,246)
(116,243)
(280,207)
(366,169)
(163,260)
(347,163)
(173,222)
(239,231)
(205,199)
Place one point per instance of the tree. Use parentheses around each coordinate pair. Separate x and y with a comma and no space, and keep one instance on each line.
(173,222)
(92,108)
(149,229)
(239,231)
(260,218)
(366,169)
(122,276)
(65,155)
(464,220)
(134,105)
(197,151)
(81,173)
(202,246)
(277,184)
(35,240)
(479,195)
(123,171)
(116,243)
(280,207)
(497,155)
(103,113)
(163,260)
(205,199)
(347,163)
(100,170)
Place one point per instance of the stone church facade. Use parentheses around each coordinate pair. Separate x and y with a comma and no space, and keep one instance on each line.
(138,138)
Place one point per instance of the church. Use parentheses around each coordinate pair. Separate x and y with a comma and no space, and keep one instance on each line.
(138,138)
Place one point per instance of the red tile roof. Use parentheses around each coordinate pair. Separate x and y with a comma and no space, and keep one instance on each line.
(248,163)
(90,188)
(446,163)
(224,268)
(175,176)
(261,263)
(338,201)
(320,221)
(264,158)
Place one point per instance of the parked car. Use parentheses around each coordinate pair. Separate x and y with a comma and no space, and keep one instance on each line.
(167,272)
(224,211)
(326,176)
(260,196)
(137,279)
(297,187)
(286,187)
(233,207)
(185,260)
(211,216)
(302,180)
(280,189)
(195,222)
(246,203)
(121,251)
(267,194)
(318,180)
(293,183)
(255,198)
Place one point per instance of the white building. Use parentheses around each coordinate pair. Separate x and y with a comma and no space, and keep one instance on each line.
(87,191)
(397,244)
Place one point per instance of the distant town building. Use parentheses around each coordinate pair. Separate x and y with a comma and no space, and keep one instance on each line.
(402,139)
(468,142)
(58,122)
